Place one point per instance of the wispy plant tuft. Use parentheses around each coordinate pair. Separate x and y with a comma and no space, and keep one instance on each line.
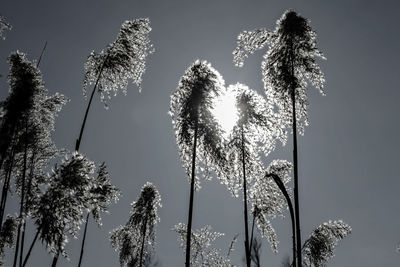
(102,193)
(247,43)
(25,82)
(123,60)
(132,241)
(268,200)
(255,132)
(60,208)
(258,128)
(290,62)
(197,132)
(287,68)
(320,246)
(7,235)
(190,107)
(201,242)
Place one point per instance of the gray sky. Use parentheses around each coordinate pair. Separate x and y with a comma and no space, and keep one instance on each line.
(347,157)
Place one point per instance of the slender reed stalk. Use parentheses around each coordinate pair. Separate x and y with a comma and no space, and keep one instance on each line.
(246,227)
(281,186)
(78,141)
(143,241)
(30,248)
(189,225)
(83,239)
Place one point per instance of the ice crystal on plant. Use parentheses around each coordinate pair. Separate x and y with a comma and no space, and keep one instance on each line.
(201,241)
(320,246)
(123,60)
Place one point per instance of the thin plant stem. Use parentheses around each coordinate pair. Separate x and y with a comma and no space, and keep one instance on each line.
(26,200)
(189,225)
(295,166)
(55,260)
(252,233)
(143,240)
(246,227)
(41,54)
(281,186)
(78,141)
(21,209)
(22,243)
(17,245)
(31,247)
(83,240)
(6,187)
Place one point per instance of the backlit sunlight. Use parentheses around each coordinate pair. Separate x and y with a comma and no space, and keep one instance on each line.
(225,112)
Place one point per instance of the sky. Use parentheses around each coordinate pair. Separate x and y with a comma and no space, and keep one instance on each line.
(348,156)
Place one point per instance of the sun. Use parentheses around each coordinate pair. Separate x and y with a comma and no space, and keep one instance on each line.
(225,112)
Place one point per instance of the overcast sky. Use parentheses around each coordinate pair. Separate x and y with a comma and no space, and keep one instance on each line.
(348,156)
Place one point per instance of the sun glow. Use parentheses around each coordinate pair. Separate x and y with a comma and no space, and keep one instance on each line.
(225,112)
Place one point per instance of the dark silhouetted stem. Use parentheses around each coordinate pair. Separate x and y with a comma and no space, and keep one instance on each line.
(41,54)
(6,187)
(83,240)
(23,193)
(9,139)
(281,186)
(22,243)
(252,233)
(246,226)
(31,247)
(296,175)
(293,86)
(17,245)
(21,208)
(3,153)
(55,259)
(143,240)
(78,141)
(28,190)
(1,160)
(189,225)
(8,174)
